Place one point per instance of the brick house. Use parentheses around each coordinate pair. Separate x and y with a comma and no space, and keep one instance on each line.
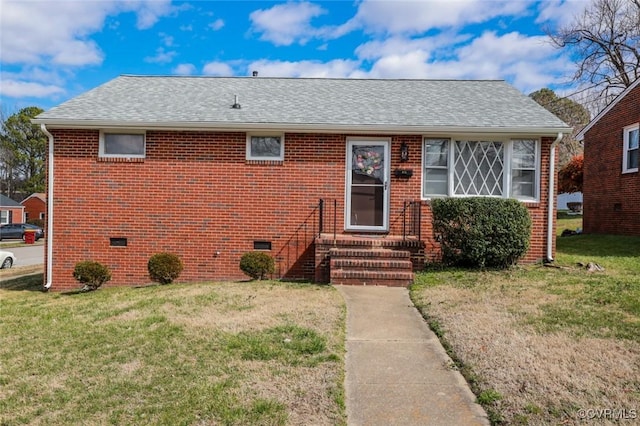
(35,206)
(11,211)
(611,186)
(332,177)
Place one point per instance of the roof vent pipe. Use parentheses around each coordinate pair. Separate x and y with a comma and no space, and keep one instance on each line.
(255,73)
(236,105)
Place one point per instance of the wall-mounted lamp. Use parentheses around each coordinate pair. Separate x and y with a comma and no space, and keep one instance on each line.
(404,152)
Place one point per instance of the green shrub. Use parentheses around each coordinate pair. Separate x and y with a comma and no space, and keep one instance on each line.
(164,267)
(481,231)
(92,274)
(257,264)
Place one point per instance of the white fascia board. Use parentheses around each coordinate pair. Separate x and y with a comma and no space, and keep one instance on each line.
(303,128)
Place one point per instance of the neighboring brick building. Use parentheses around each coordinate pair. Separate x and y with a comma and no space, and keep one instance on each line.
(35,206)
(210,168)
(11,211)
(611,186)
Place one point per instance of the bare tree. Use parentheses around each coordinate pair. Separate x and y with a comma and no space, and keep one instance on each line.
(605,43)
(569,111)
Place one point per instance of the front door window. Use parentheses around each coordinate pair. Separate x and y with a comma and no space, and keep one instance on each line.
(367,185)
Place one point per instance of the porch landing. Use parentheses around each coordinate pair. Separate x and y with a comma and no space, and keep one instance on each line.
(368,259)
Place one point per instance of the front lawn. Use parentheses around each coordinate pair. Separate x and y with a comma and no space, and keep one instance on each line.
(546,345)
(227,353)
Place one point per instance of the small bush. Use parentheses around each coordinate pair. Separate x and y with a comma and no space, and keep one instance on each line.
(481,231)
(164,267)
(257,264)
(92,274)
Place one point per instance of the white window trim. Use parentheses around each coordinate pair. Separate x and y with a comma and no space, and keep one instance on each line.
(266,134)
(102,154)
(6,216)
(625,147)
(506,175)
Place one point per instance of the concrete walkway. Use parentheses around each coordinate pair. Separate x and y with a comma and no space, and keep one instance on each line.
(397,371)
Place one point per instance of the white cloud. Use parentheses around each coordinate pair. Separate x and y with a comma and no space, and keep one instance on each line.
(528,62)
(216,25)
(161,56)
(284,24)
(561,12)
(219,69)
(24,89)
(167,40)
(336,68)
(415,17)
(148,12)
(444,43)
(184,69)
(36,32)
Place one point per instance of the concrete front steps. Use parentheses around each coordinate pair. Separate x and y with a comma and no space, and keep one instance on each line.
(370,266)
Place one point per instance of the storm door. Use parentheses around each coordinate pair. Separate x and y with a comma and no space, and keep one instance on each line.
(367,198)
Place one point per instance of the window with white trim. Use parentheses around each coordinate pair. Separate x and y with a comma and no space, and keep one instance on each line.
(4,217)
(631,137)
(265,147)
(481,168)
(122,144)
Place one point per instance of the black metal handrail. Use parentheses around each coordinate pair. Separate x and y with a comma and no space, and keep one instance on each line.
(302,238)
(412,219)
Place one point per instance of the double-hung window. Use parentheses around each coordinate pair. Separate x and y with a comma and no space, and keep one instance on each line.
(631,136)
(481,168)
(265,147)
(122,144)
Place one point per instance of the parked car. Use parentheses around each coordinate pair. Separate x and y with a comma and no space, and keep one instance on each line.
(16,231)
(7,259)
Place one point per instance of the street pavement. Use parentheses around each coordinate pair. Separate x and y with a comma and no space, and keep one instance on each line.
(27,254)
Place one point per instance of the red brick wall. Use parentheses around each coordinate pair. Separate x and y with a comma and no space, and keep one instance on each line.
(16,213)
(33,207)
(611,199)
(195,195)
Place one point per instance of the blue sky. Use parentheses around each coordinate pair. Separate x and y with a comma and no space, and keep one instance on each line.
(53,50)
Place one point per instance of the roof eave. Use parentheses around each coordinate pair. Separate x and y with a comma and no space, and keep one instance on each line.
(297,127)
(585,129)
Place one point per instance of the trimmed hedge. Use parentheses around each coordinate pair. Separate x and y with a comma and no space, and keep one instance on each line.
(257,264)
(481,232)
(92,274)
(164,267)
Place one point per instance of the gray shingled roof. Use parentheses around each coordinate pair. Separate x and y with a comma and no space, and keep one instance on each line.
(290,103)
(8,202)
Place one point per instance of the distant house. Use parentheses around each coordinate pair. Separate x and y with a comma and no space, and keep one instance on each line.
(611,185)
(10,211)
(35,206)
(332,177)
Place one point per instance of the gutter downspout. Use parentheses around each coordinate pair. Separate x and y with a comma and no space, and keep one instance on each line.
(552,193)
(47,285)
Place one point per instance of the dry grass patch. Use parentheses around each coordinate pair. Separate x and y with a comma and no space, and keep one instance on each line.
(540,344)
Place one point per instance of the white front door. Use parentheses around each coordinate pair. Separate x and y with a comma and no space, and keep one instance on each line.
(367,198)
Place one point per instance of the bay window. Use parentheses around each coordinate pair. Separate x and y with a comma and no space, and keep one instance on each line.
(481,168)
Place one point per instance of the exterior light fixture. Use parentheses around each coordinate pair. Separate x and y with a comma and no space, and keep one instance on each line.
(404,152)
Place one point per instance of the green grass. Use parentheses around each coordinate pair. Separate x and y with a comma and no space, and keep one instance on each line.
(151,355)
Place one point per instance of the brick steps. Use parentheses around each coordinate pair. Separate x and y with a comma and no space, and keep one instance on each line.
(370,266)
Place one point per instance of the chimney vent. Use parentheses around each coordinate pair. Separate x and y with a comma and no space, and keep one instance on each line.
(236,104)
